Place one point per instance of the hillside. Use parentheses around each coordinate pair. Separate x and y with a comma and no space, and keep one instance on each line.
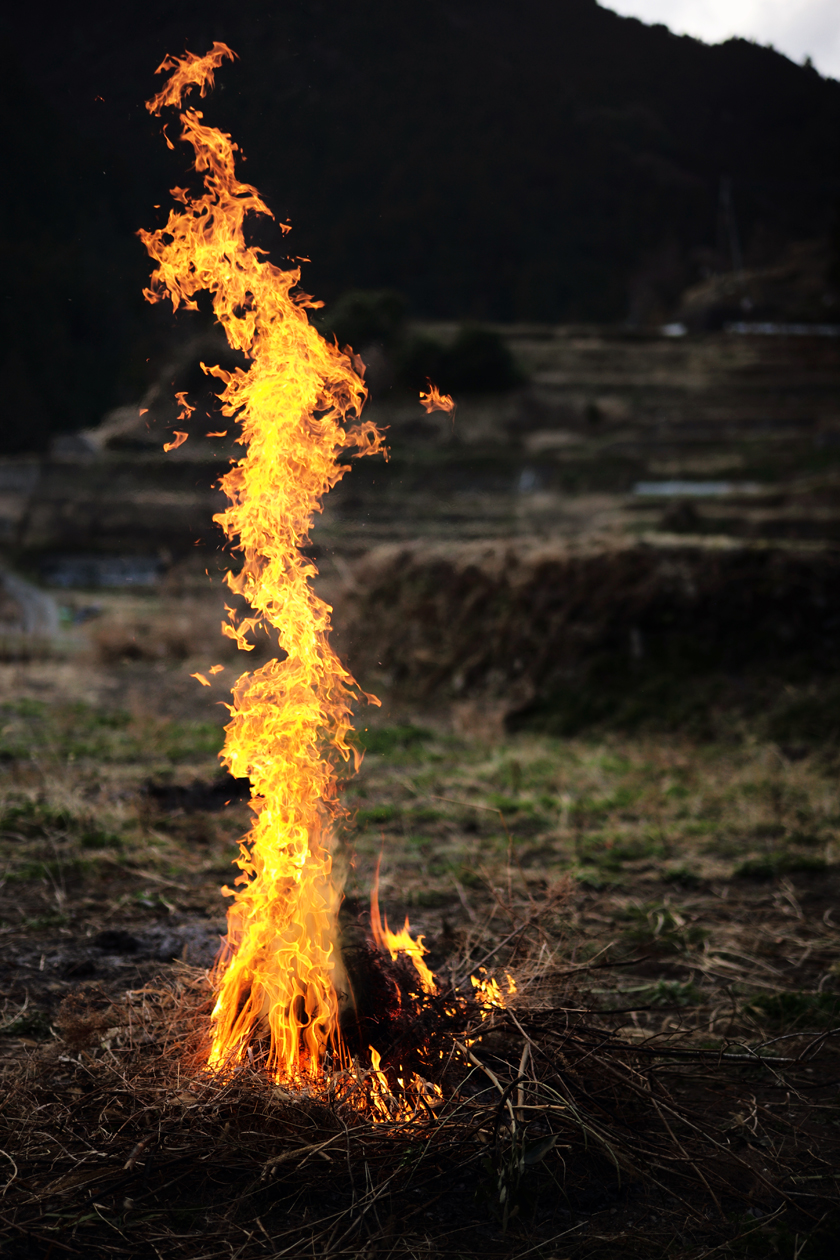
(560,164)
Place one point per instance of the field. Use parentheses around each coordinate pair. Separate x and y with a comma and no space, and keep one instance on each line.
(682,894)
(643,832)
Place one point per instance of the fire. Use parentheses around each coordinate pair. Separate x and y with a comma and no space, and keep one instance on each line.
(488,993)
(298,406)
(415,1096)
(434,400)
(396,943)
(179,439)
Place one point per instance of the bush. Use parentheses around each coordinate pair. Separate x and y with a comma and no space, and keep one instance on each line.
(386,740)
(421,360)
(773,865)
(477,362)
(797,1009)
(362,318)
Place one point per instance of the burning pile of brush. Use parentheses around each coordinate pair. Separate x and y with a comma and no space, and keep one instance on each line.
(402,1030)
(482,1130)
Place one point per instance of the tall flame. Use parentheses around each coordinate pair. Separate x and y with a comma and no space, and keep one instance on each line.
(299,406)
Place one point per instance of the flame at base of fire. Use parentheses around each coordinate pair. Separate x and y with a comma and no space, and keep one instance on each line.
(279,989)
(418,1096)
(413,1020)
(396,943)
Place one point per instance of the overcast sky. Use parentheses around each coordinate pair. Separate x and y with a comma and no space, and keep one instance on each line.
(798,28)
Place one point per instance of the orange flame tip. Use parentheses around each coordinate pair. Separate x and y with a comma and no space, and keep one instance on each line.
(299,407)
(190,71)
(204,681)
(180,439)
(434,400)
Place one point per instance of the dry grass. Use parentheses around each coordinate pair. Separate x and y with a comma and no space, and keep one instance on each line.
(665,1081)
(557,1128)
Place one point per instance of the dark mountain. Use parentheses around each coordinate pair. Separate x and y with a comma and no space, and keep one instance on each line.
(540,161)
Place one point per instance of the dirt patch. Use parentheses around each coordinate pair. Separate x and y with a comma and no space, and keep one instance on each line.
(574,637)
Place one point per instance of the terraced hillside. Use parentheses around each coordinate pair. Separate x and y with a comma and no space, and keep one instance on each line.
(754,421)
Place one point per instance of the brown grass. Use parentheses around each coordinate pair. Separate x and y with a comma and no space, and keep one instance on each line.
(558,1127)
(664,1082)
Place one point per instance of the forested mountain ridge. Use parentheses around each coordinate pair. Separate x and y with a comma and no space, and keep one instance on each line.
(549,161)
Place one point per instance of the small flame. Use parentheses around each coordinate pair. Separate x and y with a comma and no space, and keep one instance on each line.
(380,1091)
(397,943)
(414,1096)
(186,408)
(434,400)
(488,993)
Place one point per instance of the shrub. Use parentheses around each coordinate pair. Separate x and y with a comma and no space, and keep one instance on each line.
(363,318)
(477,362)
(772,865)
(797,1009)
(387,739)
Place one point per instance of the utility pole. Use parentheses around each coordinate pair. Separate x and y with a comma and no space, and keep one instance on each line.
(728,240)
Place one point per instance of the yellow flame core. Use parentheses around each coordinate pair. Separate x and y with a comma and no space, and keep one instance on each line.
(298,406)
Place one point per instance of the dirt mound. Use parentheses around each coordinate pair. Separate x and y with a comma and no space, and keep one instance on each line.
(541,625)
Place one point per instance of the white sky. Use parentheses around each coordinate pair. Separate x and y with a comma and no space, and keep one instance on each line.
(797,28)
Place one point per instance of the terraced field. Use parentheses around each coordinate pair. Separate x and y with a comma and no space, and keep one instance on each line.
(606,762)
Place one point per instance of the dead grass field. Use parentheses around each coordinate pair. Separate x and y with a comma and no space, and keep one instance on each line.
(680,897)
